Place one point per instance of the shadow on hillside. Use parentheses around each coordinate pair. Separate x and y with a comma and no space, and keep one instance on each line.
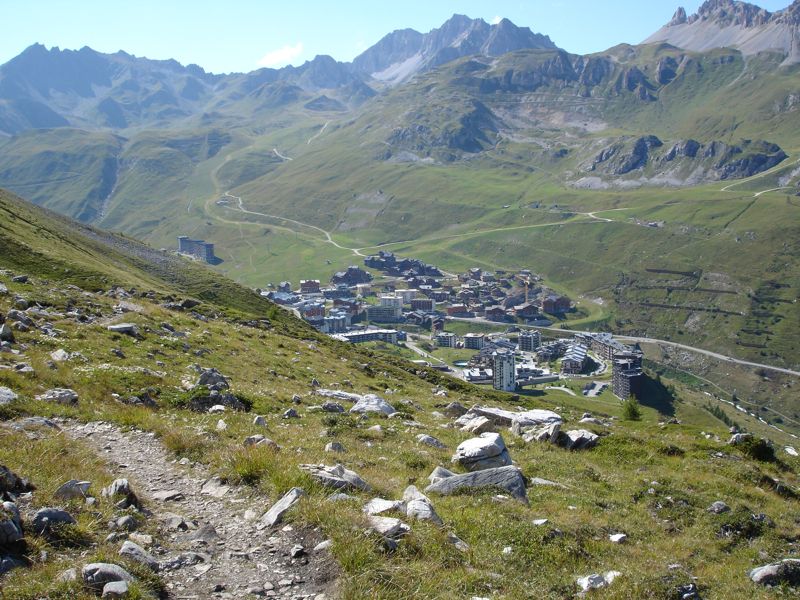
(216,261)
(653,394)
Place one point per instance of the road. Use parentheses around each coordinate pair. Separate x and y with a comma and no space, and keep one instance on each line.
(319,133)
(281,156)
(646,340)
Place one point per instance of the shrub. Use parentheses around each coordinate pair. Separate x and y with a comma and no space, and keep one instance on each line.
(631,411)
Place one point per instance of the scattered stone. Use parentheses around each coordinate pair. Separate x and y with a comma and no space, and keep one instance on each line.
(212,378)
(789,449)
(485,452)
(375,429)
(334,447)
(418,506)
(372,403)
(297,551)
(455,410)
(59,355)
(184,559)
(430,441)
(332,407)
(336,477)
(784,571)
(72,489)
(6,334)
(388,527)
(118,487)
(577,439)
(67,575)
(115,589)
(718,507)
(97,575)
(20,279)
(291,414)
(125,329)
(138,554)
(739,438)
(547,483)
(46,518)
(6,395)
(275,514)
(10,524)
(540,522)
(460,544)
(618,538)
(13,484)
(259,421)
(59,395)
(260,440)
(438,474)
(377,506)
(216,409)
(214,487)
(508,478)
(221,425)
(323,546)
(478,425)
(506,418)
(597,581)
(168,496)
(125,523)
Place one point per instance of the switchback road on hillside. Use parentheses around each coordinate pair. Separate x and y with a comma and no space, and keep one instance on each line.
(646,340)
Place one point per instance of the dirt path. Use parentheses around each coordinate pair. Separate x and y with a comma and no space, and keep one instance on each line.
(240,560)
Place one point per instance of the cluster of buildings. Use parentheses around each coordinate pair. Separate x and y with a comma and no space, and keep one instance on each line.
(401,267)
(197,248)
(626,362)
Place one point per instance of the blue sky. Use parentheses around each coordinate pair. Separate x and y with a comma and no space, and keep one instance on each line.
(241,35)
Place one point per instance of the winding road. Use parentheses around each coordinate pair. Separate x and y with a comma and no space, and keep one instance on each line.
(646,340)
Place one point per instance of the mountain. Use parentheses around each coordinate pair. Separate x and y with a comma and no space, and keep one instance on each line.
(43,88)
(735,24)
(403,53)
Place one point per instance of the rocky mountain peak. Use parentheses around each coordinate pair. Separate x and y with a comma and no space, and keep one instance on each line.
(679,18)
(732,12)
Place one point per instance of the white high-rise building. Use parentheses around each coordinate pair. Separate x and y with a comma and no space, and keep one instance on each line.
(392,300)
(503,371)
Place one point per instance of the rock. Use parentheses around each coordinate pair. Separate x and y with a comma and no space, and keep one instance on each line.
(478,425)
(485,452)
(388,527)
(618,538)
(336,477)
(739,438)
(543,433)
(459,544)
(430,441)
(540,522)
(72,489)
(784,571)
(212,378)
(375,429)
(3,290)
(6,334)
(547,483)
(291,414)
(221,425)
(372,403)
(118,487)
(418,506)
(506,418)
(20,317)
(597,581)
(216,409)
(115,589)
(592,421)
(59,355)
(332,407)
(8,563)
(6,395)
(275,514)
(718,507)
(125,523)
(20,279)
(125,329)
(260,440)
(97,575)
(59,395)
(184,559)
(11,483)
(334,447)
(454,409)
(297,551)
(10,524)
(323,546)
(46,518)
(214,487)
(138,554)
(438,474)
(577,439)
(377,506)
(508,478)
(168,496)
(259,421)
(67,575)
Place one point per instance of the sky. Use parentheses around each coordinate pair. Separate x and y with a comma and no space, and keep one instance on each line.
(242,35)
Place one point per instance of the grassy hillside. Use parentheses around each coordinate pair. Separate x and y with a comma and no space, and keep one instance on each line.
(647,479)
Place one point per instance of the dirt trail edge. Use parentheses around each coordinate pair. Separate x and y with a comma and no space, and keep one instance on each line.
(223,553)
